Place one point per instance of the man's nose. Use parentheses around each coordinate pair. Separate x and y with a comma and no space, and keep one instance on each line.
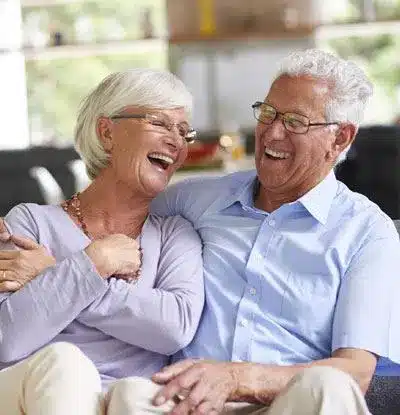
(277,128)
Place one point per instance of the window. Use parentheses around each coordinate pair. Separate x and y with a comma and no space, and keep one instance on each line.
(374,46)
(70,47)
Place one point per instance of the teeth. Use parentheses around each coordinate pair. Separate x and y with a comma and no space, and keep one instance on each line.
(277,154)
(162,157)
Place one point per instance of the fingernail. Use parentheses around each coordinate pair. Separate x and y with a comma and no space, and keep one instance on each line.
(159,400)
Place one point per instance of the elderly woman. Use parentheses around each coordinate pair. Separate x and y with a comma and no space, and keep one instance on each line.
(124,290)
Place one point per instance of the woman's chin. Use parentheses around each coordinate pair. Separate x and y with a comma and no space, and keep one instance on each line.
(155,186)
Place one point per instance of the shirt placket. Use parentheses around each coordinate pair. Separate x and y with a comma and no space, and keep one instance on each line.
(252,296)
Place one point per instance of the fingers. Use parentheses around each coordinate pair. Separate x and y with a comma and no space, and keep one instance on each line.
(24,243)
(6,255)
(179,384)
(192,401)
(4,234)
(169,372)
(6,264)
(9,286)
(204,408)
(3,276)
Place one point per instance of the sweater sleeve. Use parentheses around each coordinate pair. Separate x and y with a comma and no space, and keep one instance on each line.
(34,315)
(162,319)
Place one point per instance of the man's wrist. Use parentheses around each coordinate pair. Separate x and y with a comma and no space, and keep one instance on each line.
(246,382)
(260,383)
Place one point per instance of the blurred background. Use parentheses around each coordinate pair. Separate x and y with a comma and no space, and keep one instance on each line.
(52,52)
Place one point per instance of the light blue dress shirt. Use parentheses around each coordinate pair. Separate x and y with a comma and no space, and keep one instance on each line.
(294,285)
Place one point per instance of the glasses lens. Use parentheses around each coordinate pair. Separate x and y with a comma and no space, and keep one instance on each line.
(156,121)
(296,123)
(191,135)
(265,113)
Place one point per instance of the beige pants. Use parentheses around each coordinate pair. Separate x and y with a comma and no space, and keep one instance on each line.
(318,390)
(60,380)
(57,380)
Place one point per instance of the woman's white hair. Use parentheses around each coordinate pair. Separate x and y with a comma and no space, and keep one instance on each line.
(148,88)
(351,88)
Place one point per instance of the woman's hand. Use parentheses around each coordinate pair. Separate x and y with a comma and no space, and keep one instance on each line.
(115,254)
(18,267)
(4,234)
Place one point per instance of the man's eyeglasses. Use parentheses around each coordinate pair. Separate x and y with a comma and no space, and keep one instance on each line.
(295,123)
(157,120)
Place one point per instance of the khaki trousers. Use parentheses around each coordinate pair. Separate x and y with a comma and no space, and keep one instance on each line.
(57,380)
(61,380)
(318,390)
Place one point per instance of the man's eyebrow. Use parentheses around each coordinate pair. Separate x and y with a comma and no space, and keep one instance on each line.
(302,113)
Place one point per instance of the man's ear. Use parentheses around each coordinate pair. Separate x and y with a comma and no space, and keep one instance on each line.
(104,129)
(344,136)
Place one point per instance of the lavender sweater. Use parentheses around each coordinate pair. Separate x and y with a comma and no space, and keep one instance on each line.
(125,329)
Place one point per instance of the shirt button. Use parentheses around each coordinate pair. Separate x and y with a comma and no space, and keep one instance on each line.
(244,323)
(272,222)
(253,291)
(260,257)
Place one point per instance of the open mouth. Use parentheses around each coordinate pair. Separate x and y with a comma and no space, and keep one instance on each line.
(160,160)
(276,155)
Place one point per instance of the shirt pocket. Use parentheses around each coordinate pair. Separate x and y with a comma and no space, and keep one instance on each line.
(308,302)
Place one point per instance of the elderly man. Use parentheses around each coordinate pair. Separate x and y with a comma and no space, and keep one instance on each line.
(300,272)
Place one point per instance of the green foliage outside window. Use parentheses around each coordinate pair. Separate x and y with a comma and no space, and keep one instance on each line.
(377,54)
(56,87)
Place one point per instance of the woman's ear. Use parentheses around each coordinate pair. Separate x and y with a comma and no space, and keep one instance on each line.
(105,133)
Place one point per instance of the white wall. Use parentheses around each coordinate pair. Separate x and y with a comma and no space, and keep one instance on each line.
(13,101)
(227,77)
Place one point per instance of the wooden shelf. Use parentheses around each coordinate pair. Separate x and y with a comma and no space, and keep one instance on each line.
(222,37)
(320,31)
(48,3)
(100,49)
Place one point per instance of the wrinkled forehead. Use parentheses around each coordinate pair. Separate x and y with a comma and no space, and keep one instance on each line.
(301,94)
(175,115)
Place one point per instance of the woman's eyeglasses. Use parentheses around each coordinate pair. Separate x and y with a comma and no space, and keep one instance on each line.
(158,120)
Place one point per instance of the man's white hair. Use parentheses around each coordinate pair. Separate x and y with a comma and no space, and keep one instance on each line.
(147,88)
(351,88)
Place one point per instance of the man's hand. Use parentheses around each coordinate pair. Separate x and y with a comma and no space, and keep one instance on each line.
(204,386)
(18,267)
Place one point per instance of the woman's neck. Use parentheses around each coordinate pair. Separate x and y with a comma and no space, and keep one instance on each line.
(110,207)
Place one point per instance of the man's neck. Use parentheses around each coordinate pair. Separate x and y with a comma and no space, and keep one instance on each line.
(270,200)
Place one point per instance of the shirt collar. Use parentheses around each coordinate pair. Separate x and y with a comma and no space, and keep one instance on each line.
(319,199)
(241,191)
